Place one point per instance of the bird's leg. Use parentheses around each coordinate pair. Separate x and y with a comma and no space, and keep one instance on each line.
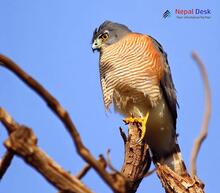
(140,122)
(143,127)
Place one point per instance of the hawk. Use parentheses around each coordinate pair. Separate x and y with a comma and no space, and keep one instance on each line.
(136,78)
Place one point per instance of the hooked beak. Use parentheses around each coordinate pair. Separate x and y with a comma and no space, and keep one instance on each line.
(94,48)
(96,45)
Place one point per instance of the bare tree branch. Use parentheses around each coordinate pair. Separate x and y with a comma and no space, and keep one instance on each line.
(7,121)
(109,163)
(174,183)
(8,156)
(123,135)
(83,172)
(5,162)
(23,143)
(87,167)
(207,113)
(137,158)
(117,184)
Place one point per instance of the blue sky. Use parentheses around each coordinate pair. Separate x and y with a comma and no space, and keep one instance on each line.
(51,41)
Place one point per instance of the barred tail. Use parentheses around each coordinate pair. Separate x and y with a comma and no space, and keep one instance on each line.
(174,161)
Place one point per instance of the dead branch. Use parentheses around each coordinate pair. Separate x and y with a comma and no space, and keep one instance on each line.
(137,158)
(84,171)
(116,182)
(123,135)
(174,183)
(87,167)
(5,162)
(207,113)
(23,143)
(109,163)
(8,156)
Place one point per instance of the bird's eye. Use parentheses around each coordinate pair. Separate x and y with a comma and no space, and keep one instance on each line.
(104,36)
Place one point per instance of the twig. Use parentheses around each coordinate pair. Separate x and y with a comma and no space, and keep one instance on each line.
(87,167)
(83,172)
(5,162)
(109,163)
(7,158)
(23,143)
(62,114)
(123,135)
(7,121)
(207,113)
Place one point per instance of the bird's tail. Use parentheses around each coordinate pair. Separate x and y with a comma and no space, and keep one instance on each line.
(173,160)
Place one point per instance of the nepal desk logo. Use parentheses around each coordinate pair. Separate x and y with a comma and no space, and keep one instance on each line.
(188,13)
(166,14)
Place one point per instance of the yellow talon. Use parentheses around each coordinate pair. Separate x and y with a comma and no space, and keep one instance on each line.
(144,127)
(133,120)
(140,122)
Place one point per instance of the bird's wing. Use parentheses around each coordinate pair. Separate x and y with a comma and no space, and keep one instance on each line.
(174,160)
(167,85)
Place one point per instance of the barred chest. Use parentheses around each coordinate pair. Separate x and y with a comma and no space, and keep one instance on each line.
(120,87)
(129,75)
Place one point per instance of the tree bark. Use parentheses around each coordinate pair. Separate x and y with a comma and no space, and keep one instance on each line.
(137,159)
(174,183)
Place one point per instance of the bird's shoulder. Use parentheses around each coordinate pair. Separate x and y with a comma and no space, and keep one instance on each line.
(166,82)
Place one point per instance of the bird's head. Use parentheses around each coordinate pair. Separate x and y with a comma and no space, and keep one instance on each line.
(107,34)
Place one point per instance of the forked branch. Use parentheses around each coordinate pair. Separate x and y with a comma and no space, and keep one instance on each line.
(23,143)
(117,183)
